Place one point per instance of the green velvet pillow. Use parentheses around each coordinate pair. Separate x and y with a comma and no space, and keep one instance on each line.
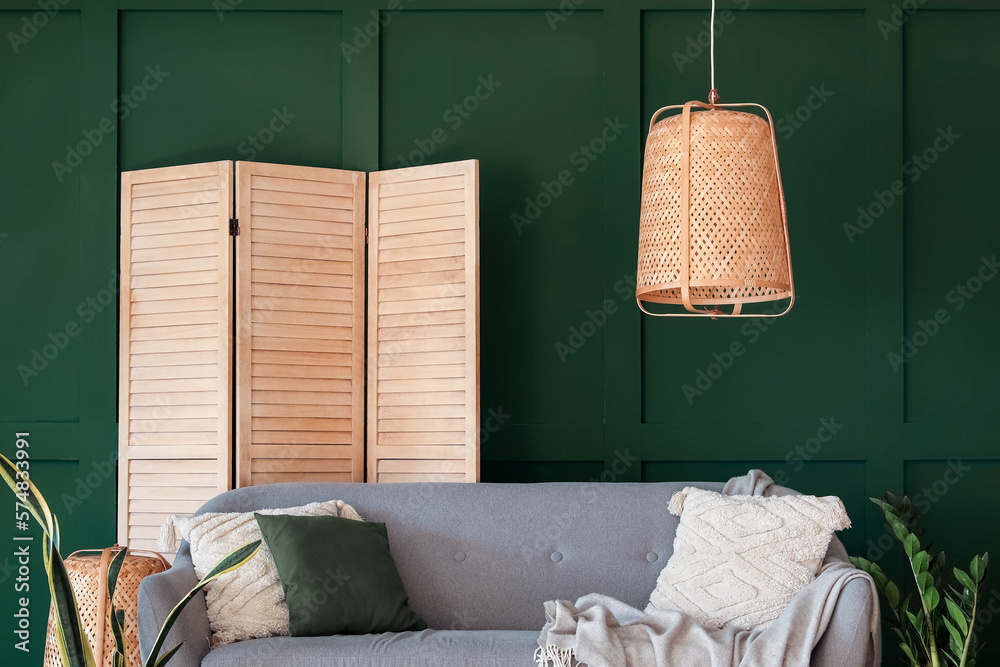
(338,576)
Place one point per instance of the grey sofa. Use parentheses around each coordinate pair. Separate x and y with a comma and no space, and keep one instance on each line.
(478,561)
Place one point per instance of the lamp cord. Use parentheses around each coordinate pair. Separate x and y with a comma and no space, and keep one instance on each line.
(713,95)
(711,35)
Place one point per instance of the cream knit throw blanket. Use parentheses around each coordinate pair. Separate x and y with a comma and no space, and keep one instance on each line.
(599,631)
(248,602)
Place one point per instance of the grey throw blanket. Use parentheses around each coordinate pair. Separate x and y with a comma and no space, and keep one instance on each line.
(599,631)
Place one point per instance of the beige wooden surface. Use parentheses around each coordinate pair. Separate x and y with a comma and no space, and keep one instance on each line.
(423,324)
(175,367)
(300,324)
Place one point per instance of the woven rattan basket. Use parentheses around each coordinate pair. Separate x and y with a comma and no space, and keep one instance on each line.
(713,229)
(88,574)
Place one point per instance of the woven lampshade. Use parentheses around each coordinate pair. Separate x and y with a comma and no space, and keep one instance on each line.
(713,229)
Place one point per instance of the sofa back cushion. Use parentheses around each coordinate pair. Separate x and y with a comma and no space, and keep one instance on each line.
(486,556)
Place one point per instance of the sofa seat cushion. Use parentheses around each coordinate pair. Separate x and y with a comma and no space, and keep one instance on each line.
(440,648)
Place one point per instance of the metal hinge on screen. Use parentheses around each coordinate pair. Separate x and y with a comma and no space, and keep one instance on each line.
(234,227)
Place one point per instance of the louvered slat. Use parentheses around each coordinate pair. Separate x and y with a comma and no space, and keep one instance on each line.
(423,326)
(175,401)
(300,324)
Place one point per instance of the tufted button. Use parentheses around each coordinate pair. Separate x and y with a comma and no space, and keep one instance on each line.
(652,557)
(459,556)
(556,556)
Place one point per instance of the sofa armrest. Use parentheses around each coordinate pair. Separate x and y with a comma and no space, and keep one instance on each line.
(847,641)
(158,595)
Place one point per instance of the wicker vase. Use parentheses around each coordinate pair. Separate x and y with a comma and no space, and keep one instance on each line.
(88,574)
(713,229)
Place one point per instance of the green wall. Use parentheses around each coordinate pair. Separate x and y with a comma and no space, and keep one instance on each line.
(542,92)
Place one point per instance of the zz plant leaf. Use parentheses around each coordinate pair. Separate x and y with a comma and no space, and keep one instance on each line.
(931,634)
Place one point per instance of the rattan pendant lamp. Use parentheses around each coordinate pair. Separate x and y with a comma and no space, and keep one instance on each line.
(713,230)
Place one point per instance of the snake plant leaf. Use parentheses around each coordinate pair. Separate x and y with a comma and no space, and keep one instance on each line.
(229,562)
(72,640)
(35,502)
(165,658)
(957,615)
(114,568)
(116,617)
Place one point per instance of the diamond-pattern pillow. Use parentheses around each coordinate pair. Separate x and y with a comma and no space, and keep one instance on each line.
(739,560)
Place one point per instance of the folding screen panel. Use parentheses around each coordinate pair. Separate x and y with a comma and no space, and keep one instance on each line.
(423,324)
(300,324)
(175,390)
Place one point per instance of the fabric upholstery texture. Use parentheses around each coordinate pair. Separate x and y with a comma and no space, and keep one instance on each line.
(338,576)
(739,560)
(456,545)
(430,648)
(247,602)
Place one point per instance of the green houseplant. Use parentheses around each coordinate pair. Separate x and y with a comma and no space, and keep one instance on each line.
(935,623)
(73,643)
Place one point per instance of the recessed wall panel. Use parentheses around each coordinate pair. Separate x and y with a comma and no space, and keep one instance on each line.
(952,239)
(213,85)
(44,147)
(527,101)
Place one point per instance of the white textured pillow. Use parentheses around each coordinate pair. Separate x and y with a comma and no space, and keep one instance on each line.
(248,602)
(739,560)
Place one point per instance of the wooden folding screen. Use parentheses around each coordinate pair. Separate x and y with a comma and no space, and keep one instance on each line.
(423,324)
(300,324)
(175,356)
(300,320)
